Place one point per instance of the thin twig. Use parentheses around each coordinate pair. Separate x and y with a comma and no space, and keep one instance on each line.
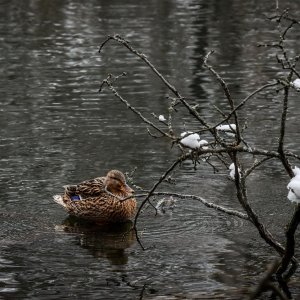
(243,199)
(290,244)
(228,211)
(227,94)
(256,164)
(133,109)
(143,57)
(150,193)
(243,102)
(265,284)
(283,157)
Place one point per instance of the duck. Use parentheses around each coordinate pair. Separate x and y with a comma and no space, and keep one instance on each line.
(100,200)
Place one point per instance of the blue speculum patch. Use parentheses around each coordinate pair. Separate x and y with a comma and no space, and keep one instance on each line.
(75,198)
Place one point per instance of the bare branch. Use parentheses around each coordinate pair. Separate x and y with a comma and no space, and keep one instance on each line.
(228,211)
(283,157)
(290,244)
(243,102)
(235,148)
(243,199)
(143,57)
(133,109)
(256,164)
(227,94)
(197,198)
(150,193)
(266,284)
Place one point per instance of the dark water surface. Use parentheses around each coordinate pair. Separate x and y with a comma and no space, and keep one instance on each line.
(56,129)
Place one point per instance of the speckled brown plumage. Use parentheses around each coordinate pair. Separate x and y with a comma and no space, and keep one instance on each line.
(99,199)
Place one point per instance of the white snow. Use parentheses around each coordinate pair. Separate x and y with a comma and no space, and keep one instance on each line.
(296,171)
(190,139)
(161,118)
(296,84)
(232,171)
(229,128)
(294,187)
(203,143)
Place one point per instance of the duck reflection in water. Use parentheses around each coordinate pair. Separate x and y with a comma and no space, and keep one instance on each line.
(103,241)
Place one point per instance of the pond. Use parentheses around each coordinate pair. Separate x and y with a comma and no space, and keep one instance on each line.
(56,129)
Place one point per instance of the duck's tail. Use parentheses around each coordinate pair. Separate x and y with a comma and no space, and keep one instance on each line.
(59,200)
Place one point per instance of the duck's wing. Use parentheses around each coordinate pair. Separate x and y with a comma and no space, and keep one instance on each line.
(85,189)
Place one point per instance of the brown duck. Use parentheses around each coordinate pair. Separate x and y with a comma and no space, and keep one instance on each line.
(100,199)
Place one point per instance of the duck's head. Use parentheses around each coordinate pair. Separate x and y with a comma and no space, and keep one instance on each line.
(115,183)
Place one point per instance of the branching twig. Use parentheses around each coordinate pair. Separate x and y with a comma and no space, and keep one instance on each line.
(222,148)
(143,57)
(266,284)
(243,199)
(243,102)
(255,165)
(227,94)
(290,244)
(283,157)
(150,193)
(228,211)
(133,109)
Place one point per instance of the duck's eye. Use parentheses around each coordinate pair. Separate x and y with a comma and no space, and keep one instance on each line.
(116,183)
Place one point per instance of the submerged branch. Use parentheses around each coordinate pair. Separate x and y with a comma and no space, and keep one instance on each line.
(290,243)
(223,209)
(266,284)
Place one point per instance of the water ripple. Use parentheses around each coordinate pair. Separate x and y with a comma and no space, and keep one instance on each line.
(189,218)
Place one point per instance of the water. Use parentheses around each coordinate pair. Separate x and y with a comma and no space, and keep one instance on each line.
(55,128)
